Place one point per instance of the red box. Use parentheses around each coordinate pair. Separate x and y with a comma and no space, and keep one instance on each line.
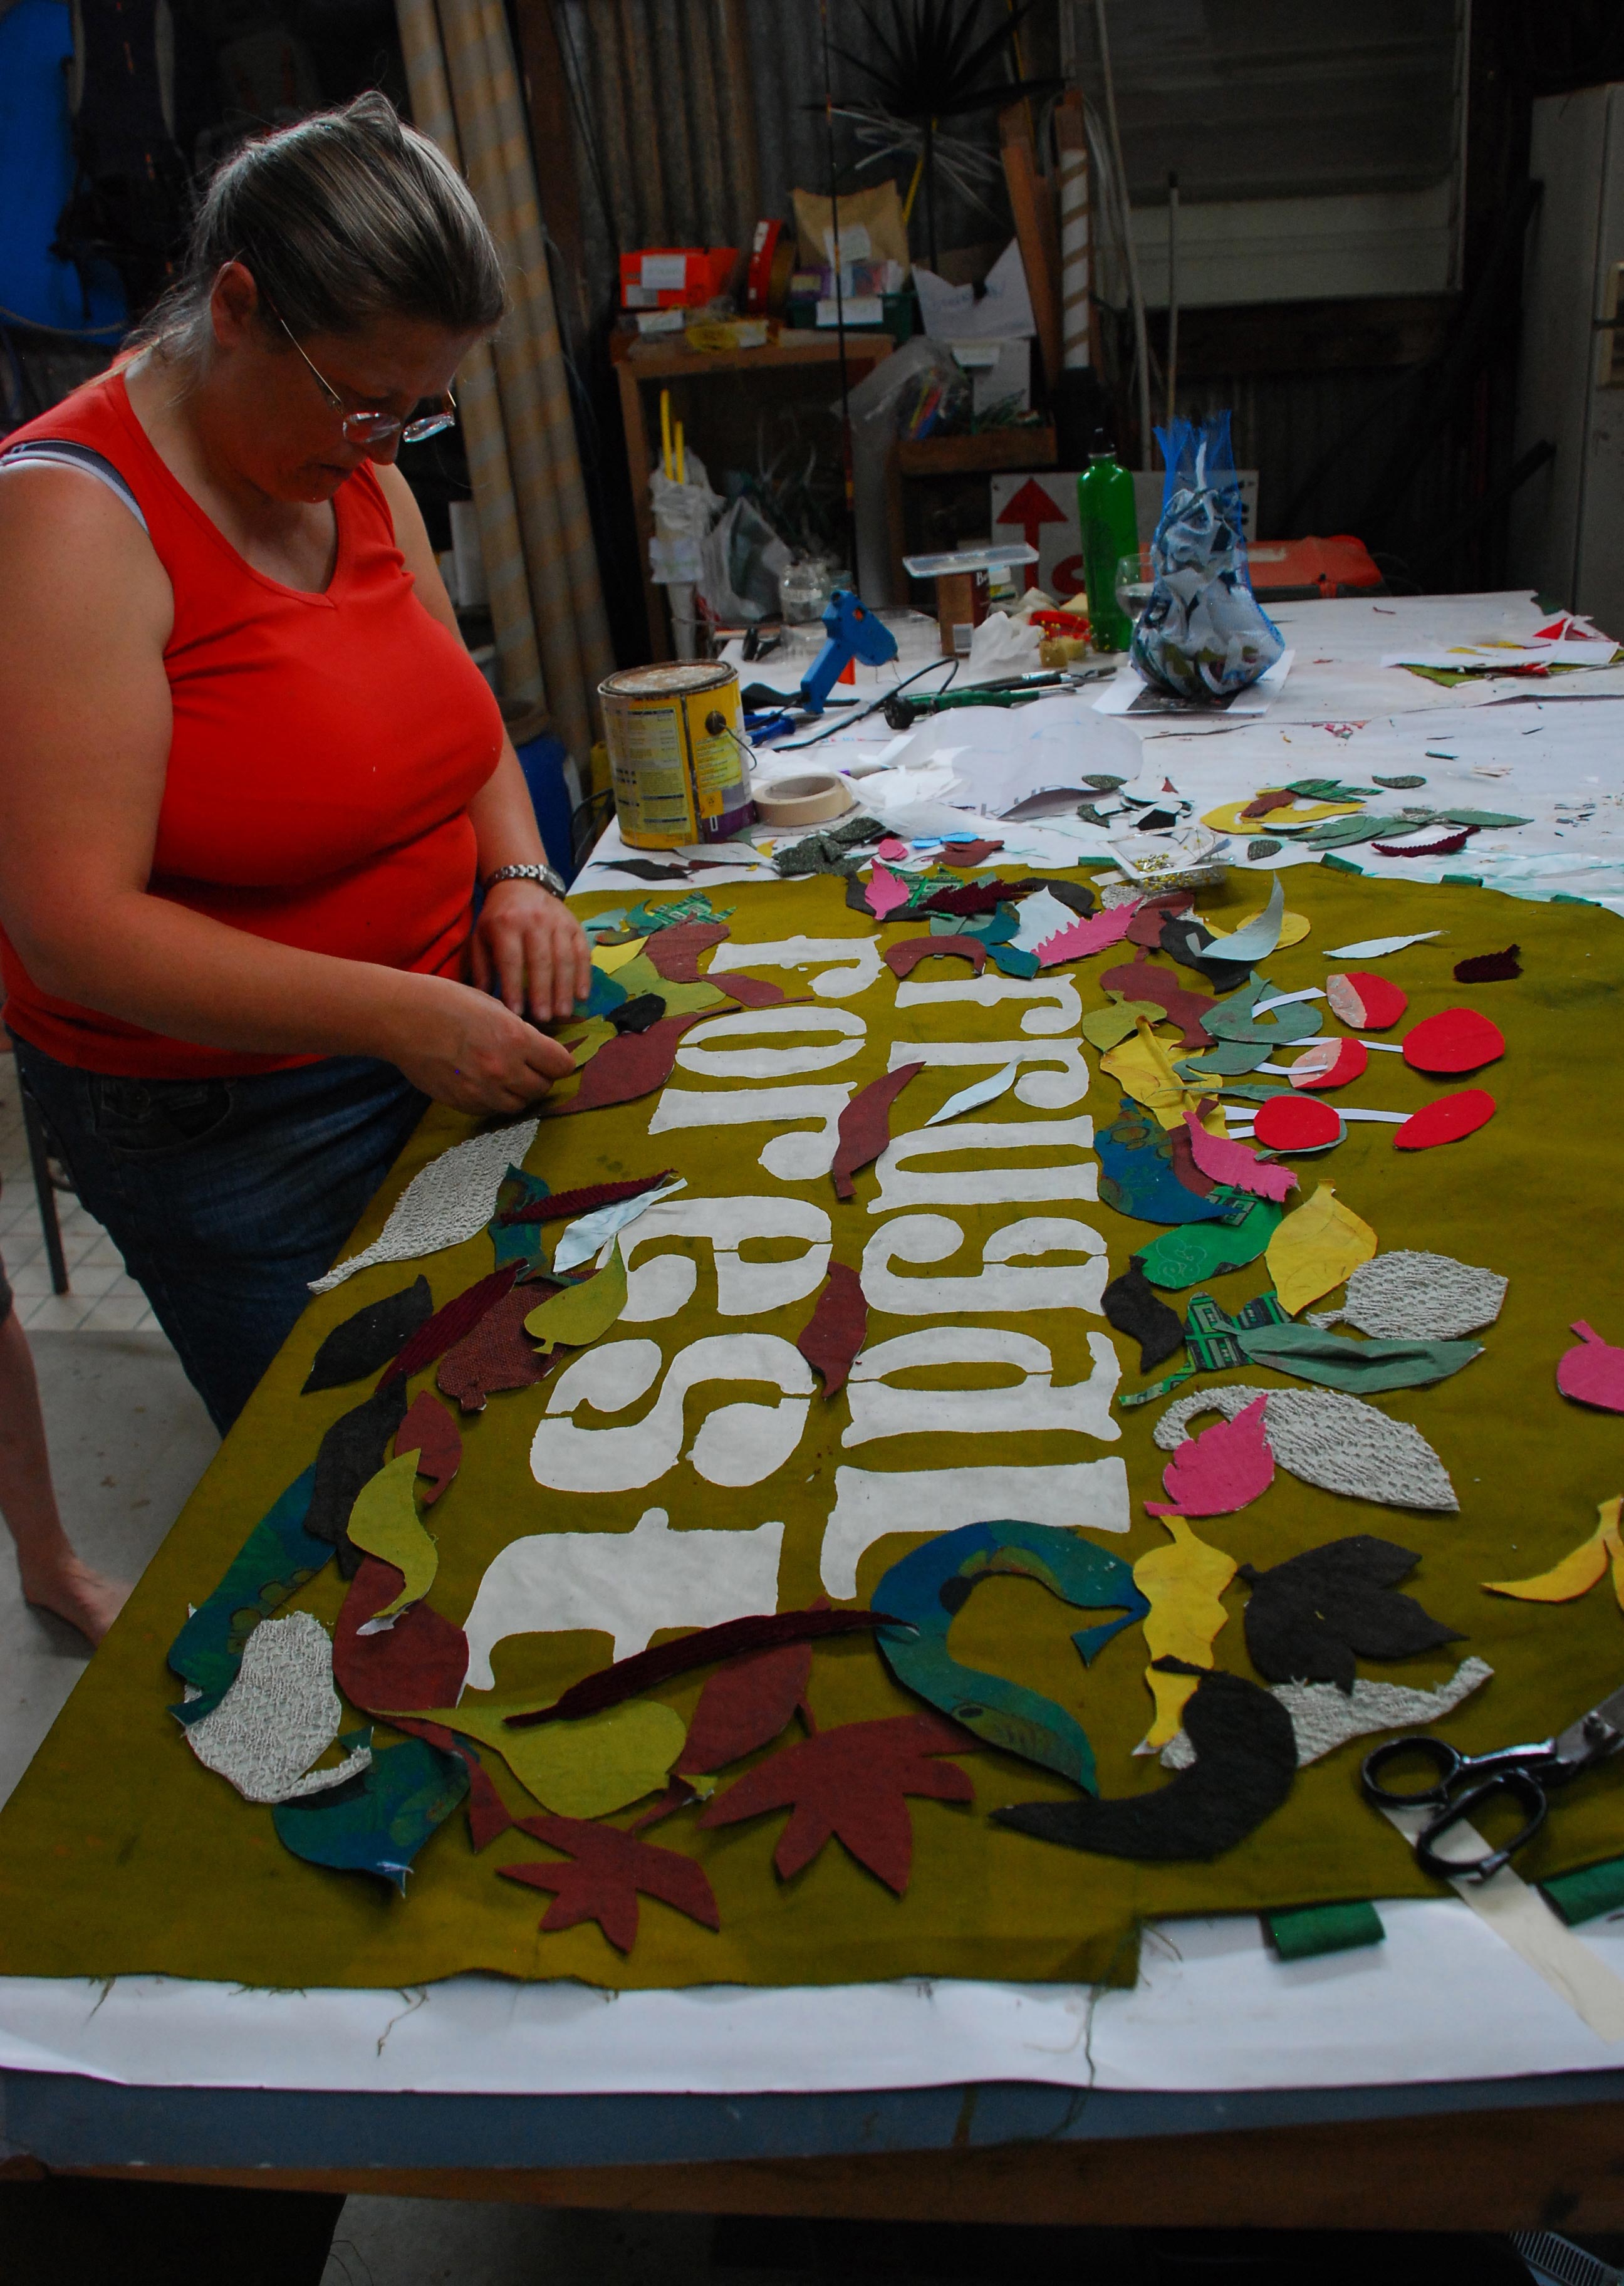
(674,277)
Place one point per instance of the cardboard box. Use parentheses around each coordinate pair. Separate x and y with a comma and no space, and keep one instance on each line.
(674,277)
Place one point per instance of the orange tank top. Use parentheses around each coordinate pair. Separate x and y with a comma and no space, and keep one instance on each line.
(324,754)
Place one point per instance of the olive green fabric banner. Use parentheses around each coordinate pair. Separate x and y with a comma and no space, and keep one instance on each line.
(119,1853)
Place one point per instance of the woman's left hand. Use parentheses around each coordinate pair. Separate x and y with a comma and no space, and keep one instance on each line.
(530,949)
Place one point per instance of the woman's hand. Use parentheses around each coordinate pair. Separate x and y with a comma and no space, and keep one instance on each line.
(532,950)
(462,1047)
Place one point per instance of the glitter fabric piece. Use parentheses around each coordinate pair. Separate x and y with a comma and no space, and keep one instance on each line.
(450,1199)
(1406,1296)
(279,1714)
(1339,1443)
(1324,1719)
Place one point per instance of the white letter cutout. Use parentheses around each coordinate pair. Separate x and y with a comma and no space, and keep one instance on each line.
(737,1445)
(1059,1010)
(932,1238)
(702,1050)
(878,1410)
(1046,1090)
(626,1583)
(660,1288)
(988,1186)
(868,1503)
(794,1156)
(858,956)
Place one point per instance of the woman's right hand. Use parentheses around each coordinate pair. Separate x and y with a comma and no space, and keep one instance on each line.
(463,1048)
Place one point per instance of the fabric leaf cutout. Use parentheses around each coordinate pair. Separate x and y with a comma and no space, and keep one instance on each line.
(432,1434)
(1578,1573)
(446,1328)
(384,1523)
(866,1125)
(279,1714)
(630,1065)
(350,1455)
(1489,967)
(1594,1372)
(1339,1443)
(379,1826)
(1316,1248)
(447,1200)
(1309,1617)
(1132,1306)
(1086,936)
(365,1342)
(1313,1355)
(1245,1761)
(495,1356)
(585,1769)
(608,1871)
(902,958)
(835,1332)
(566,1206)
(420,1661)
(851,1783)
(1184,1585)
(1409,1296)
(278,1557)
(1232,1164)
(746,1704)
(512,1239)
(577,1315)
(1226,1468)
(675,952)
(647,1670)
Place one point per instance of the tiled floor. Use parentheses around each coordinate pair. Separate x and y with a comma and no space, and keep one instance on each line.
(104,1299)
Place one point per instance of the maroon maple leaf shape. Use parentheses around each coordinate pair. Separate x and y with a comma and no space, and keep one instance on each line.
(850,1782)
(608,1868)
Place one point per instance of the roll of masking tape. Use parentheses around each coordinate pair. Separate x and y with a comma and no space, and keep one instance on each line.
(812,800)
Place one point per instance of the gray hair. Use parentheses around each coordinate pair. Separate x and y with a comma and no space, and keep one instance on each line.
(348,217)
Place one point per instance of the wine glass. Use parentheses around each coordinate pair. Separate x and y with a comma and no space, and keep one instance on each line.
(1136,576)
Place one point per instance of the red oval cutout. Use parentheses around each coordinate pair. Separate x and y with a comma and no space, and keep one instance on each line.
(1365,1000)
(1329,1064)
(1454,1040)
(1297,1122)
(1445,1121)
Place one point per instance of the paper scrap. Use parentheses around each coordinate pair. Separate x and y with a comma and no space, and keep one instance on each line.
(590,1233)
(971,1098)
(1578,1572)
(1375,948)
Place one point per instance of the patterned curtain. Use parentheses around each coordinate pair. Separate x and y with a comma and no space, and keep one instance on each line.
(546,600)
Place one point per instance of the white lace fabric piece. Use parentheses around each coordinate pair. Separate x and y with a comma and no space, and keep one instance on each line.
(1339,1443)
(1325,1719)
(450,1199)
(280,1713)
(1408,1296)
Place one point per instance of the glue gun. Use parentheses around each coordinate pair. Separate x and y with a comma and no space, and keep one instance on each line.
(850,631)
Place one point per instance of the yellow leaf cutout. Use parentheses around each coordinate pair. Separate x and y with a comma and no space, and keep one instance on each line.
(576,1315)
(384,1521)
(584,1768)
(1293,928)
(583,1040)
(1579,1571)
(611,957)
(1185,1583)
(1143,1067)
(1227,817)
(1316,1248)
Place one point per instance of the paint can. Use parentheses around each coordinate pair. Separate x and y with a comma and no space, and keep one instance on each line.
(677,756)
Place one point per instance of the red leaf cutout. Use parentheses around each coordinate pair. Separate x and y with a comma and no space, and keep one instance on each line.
(1446,1120)
(420,1661)
(1368,1002)
(1224,1469)
(568,1205)
(1454,1040)
(749,991)
(1444,845)
(447,1326)
(902,959)
(833,1333)
(970,853)
(1148,980)
(1330,1063)
(1146,926)
(674,953)
(851,1783)
(976,897)
(866,1125)
(1289,1123)
(432,1433)
(497,1355)
(630,1065)
(744,1705)
(609,1870)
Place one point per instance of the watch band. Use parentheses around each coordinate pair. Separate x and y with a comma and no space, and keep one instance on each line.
(544,875)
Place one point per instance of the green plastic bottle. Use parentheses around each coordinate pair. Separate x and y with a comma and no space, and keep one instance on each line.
(1109,526)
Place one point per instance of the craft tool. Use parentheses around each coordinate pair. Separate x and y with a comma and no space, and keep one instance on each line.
(902,713)
(1462,1783)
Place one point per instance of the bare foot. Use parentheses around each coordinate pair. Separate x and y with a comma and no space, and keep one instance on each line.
(86,1599)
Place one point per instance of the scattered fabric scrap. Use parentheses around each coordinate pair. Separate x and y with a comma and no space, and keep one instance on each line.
(1339,1443)
(1184,1585)
(1316,1248)
(1577,1572)
(1374,947)
(746,1703)
(1489,967)
(608,1872)
(279,1714)
(1324,1717)
(581,1768)
(970,853)
(1138,1178)
(1213,1335)
(1446,1120)
(368,1340)
(971,1098)
(1131,1305)
(904,958)
(637,1015)
(420,1661)
(384,1523)
(349,1456)
(495,1356)
(447,1200)
(1187,1256)
(646,1670)
(1232,1164)
(1308,1617)
(1418,1296)
(887,891)
(632,1064)
(511,1232)
(1085,936)
(1329,1064)
(1108,1027)
(279,1557)
(1298,1125)
(1226,1468)
(865,1126)
(577,1315)
(1147,981)
(448,1326)
(1245,1760)
(835,1332)
(850,1784)
(1408,1362)
(379,1825)
(674,953)
(568,1205)
(589,1234)
(1592,1373)
(432,1435)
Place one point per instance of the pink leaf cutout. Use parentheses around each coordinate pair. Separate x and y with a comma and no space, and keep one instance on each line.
(892,848)
(1594,1372)
(1232,1164)
(1092,934)
(887,890)
(1226,1468)
(866,1125)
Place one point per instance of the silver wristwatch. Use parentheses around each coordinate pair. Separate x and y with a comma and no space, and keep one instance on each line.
(552,882)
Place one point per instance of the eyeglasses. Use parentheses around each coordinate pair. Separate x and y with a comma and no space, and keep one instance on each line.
(378,427)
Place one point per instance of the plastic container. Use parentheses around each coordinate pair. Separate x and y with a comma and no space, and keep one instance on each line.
(1109,527)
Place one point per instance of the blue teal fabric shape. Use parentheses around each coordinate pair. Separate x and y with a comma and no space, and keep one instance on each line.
(377,1823)
(275,1561)
(1136,1176)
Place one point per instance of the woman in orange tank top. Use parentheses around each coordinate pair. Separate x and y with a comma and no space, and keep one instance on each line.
(251,777)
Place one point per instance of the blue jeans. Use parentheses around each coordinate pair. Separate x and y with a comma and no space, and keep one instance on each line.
(226,1197)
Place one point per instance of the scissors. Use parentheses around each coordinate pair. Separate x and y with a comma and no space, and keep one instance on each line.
(1461,1783)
